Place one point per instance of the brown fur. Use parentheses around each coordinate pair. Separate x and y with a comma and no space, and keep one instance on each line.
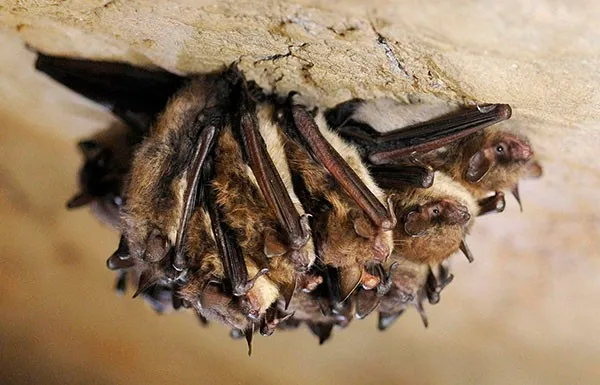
(337,243)
(408,288)
(246,212)
(154,202)
(501,176)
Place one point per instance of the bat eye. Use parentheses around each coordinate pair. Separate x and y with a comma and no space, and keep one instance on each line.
(500,149)
(436,211)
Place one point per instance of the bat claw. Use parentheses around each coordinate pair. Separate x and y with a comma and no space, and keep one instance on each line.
(435,285)
(121,283)
(145,282)
(421,310)
(493,204)
(515,193)
(297,243)
(272,319)
(386,281)
(249,333)
(244,288)
(386,320)
(465,249)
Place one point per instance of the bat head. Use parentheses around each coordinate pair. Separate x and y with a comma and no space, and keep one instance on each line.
(408,290)
(433,222)
(444,212)
(97,177)
(501,162)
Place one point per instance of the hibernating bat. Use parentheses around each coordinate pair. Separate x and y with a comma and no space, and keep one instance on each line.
(260,214)
(488,161)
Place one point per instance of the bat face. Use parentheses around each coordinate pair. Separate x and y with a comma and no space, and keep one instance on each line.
(440,213)
(107,158)
(434,221)
(501,162)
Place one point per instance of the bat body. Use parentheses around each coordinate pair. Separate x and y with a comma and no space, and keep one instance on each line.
(484,162)
(259,215)
(107,160)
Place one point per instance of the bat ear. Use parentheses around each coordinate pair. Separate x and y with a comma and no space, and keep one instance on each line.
(87,147)
(534,170)
(273,247)
(415,225)
(366,302)
(386,320)
(321,330)
(78,200)
(479,165)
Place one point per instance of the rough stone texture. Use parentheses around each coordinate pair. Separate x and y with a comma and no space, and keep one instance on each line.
(525,312)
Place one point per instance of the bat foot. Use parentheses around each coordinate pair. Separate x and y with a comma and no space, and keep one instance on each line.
(435,285)
(390,221)
(493,204)
(243,289)
(298,242)
(369,281)
(272,319)
(386,281)
(311,282)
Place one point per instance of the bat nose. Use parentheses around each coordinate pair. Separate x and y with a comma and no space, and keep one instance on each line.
(463,216)
(521,151)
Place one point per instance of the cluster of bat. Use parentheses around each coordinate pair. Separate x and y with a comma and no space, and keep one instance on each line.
(260,213)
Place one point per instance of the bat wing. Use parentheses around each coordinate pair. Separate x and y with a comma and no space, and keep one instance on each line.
(134,94)
(397,145)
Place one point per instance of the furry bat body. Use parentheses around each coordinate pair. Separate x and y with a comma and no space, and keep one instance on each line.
(107,160)
(256,214)
(485,162)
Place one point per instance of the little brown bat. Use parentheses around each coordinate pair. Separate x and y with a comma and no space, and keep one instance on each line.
(485,162)
(107,158)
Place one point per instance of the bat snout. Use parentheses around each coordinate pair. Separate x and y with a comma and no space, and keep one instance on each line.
(457,213)
(519,149)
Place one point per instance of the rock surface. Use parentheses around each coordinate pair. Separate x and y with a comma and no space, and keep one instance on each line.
(524,312)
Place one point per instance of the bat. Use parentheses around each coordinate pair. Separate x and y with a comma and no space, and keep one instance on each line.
(107,158)
(485,162)
(261,214)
